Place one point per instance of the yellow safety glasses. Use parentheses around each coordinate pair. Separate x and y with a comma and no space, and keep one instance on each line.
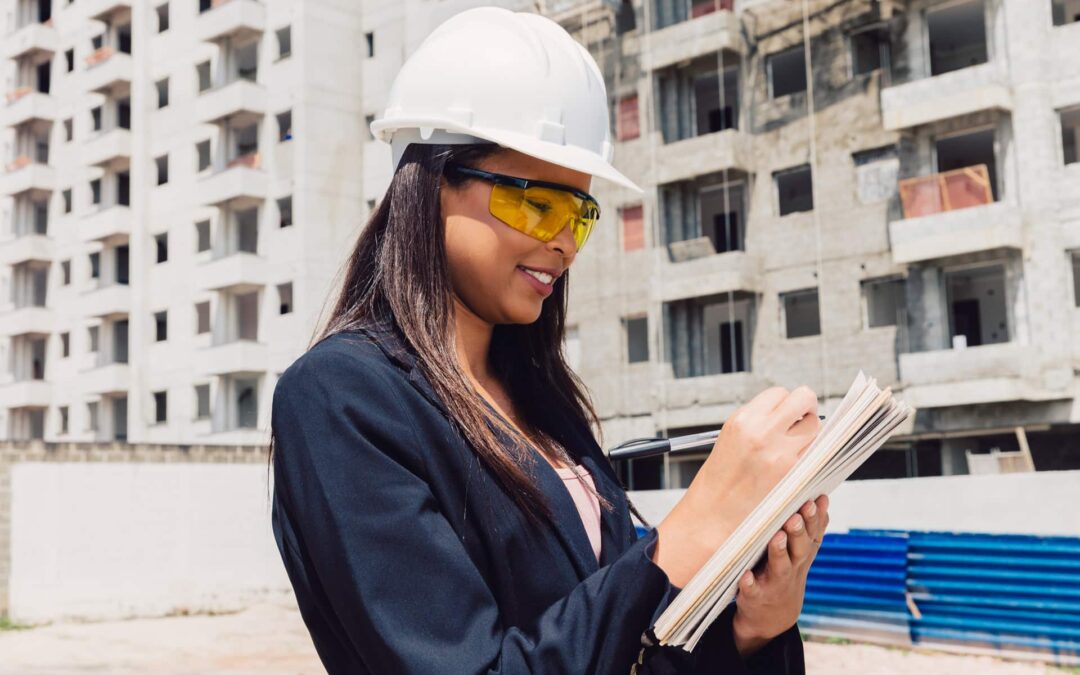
(537,208)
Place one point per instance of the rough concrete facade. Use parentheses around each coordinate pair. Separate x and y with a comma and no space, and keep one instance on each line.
(870,131)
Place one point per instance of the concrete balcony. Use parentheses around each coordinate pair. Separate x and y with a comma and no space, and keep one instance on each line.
(985,374)
(1076,343)
(108,379)
(573,15)
(241,102)
(111,149)
(700,155)
(26,321)
(234,19)
(27,105)
(27,248)
(952,94)
(239,185)
(106,10)
(719,273)
(713,32)
(239,272)
(239,356)
(110,300)
(108,72)
(941,235)
(30,41)
(37,180)
(26,394)
(708,399)
(112,223)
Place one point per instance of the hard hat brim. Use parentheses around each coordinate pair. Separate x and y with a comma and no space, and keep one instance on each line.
(569,156)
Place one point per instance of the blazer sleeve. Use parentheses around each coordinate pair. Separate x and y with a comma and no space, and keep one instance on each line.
(405,596)
(783,655)
(717,654)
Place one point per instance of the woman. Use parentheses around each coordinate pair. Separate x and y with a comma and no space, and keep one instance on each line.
(440,502)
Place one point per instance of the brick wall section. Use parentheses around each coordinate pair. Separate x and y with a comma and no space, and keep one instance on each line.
(13,452)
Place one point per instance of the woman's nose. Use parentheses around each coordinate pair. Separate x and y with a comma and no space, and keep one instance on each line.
(564,243)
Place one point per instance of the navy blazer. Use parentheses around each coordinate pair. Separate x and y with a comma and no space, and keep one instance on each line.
(407,557)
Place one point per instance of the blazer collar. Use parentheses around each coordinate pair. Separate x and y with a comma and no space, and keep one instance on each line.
(579,442)
(385,335)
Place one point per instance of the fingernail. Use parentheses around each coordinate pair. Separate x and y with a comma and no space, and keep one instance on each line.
(798,525)
(811,508)
(783,542)
(750,581)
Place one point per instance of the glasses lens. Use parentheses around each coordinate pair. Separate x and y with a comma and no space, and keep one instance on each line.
(584,225)
(543,212)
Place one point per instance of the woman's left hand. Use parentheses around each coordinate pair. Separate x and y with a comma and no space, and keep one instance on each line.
(770,601)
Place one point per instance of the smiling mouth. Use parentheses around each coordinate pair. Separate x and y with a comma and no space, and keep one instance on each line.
(542,277)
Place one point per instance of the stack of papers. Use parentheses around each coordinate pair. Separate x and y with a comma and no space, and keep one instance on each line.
(861,424)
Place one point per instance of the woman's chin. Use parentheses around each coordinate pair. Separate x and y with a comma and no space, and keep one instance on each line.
(524,312)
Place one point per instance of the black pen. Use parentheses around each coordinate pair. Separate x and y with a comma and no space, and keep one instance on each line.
(679,445)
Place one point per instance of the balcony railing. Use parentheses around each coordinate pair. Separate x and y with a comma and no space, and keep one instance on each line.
(251,160)
(17,93)
(99,55)
(231,19)
(947,191)
(703,7)
(47,22)
(671,12)
(17,163)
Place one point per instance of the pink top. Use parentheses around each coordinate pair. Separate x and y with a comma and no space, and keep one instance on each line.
(587,503)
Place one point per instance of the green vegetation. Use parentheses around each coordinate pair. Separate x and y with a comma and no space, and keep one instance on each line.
(8,624)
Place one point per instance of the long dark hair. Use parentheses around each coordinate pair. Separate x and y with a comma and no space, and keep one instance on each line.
(398,273)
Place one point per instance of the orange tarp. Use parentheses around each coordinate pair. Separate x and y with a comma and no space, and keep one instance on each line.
(948,191)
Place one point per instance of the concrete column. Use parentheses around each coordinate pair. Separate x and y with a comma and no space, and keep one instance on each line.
(5,532)
(928,322)
(954,457)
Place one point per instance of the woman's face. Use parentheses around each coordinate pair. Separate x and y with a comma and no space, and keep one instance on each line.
(488,258)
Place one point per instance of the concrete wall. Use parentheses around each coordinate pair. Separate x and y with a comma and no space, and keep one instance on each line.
(1033,503)
(115,540)
(862,233)
(99,532)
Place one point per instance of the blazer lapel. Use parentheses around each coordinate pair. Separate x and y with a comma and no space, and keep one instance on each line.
(568,527)
(611,523)
(382,334)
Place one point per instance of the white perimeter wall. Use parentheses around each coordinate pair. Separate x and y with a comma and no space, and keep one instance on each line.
(110,540)
(1044,503)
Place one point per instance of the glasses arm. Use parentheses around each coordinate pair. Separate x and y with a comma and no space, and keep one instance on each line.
(522,183)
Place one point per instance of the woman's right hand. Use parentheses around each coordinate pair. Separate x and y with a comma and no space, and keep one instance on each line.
(757,446)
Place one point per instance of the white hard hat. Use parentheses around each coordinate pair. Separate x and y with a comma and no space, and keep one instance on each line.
(514,78)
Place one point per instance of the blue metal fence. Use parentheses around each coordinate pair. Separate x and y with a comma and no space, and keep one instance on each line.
(856,588)
(1015,595)
(1002,592)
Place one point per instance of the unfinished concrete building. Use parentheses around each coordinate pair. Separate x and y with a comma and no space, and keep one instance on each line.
(167,236)
(829,186)
(832,186)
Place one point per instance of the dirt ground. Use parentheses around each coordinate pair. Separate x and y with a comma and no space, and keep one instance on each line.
(270,639)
